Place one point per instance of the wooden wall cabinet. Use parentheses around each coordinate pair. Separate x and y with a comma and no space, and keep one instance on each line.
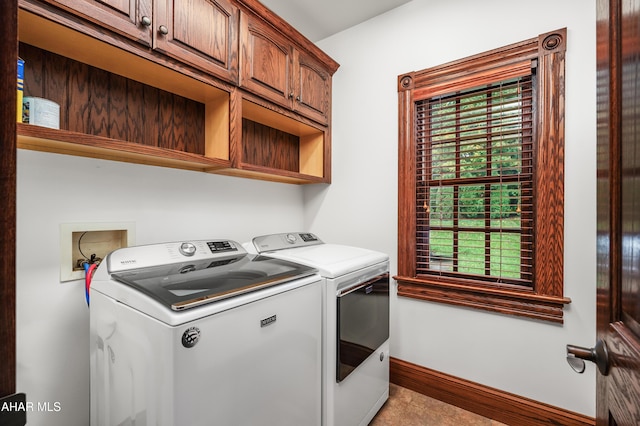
(273,67)
(200,32)
(312,88)
(266,61)
(162,103)
(131,18)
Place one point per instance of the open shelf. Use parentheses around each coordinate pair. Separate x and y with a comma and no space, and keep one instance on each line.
(124,102)
(114,100)
(39,138)
(293,138)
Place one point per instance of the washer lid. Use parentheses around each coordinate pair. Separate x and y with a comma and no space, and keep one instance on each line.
(332,260)
(188,284)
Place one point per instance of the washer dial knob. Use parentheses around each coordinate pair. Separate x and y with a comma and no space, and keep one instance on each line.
(187,249)
(291,238)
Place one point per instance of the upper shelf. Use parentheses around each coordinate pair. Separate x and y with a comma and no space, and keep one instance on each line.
(39,138)
(165,111)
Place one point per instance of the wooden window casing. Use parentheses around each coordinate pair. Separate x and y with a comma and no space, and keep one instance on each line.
(437,108)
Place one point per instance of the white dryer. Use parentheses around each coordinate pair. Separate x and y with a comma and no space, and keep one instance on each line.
(355,337)
(202,333)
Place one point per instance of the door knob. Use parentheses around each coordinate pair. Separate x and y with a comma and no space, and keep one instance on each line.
(576,356)
(163,30)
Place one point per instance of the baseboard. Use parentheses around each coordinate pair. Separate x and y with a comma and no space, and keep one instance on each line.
(488,402)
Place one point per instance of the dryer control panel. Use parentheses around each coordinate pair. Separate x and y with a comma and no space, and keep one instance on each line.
(273,242)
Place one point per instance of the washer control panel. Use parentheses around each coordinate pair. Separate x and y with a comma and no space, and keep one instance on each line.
(287,240)
(166,253)
(219,246)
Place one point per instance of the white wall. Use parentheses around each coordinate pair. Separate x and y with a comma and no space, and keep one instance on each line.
(165,204)
(516,355)
(521,356)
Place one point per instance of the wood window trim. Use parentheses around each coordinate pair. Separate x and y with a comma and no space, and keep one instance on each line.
(545,301)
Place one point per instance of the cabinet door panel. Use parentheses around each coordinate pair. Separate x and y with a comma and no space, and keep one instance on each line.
(266,62)
(202,33)
(269,65)
(313,90)
(122,16)
(207,36)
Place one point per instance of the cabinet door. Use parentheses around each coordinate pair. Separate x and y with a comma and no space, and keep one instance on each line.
(312,88)
(266,62)
(131,18)
(203,33)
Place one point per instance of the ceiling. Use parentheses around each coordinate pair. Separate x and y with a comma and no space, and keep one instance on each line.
(318,19)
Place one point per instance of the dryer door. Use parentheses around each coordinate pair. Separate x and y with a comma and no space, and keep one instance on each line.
(362,323)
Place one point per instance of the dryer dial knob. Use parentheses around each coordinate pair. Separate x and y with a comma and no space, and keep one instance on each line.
(187,249)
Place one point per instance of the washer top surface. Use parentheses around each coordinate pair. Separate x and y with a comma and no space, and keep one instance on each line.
(331,260)
(185,275)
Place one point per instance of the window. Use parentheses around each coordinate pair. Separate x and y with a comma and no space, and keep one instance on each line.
(481,182)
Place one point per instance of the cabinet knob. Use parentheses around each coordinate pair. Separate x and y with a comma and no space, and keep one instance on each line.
(146,21)
(298,98)
(291,95)
(163,30)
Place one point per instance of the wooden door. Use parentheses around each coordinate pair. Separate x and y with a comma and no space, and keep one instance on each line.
(9,49)
(131,18)
(266,61)
(618,58)
(312,88)
(203,33)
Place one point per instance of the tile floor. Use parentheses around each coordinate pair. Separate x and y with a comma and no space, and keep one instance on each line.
(407,408)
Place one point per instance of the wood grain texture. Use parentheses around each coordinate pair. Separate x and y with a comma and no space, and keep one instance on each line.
(201,33)
(8,47)
(50,29)
(72,143)
(549,164)
(266,61)
(312,88)
(544,57)
(282,26)
(500,300)
(119,15)
(608,172)
(406,180)
(150,115)
(75,119)
(136,120)
(268,147)
(55,88)
(118,110)
(489,402)
(99,98)
(72,32)
(618,295)
(100,103)
(247,170)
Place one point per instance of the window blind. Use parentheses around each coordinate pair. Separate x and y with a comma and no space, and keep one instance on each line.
(474,183)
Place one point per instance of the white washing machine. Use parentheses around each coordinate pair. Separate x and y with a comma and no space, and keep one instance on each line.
(355,376)
(203,333)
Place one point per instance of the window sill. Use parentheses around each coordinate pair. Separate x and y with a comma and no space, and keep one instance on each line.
(524,303)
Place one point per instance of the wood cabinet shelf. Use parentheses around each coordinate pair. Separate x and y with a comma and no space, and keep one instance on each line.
(44,139)
(124,99)
(288,145)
